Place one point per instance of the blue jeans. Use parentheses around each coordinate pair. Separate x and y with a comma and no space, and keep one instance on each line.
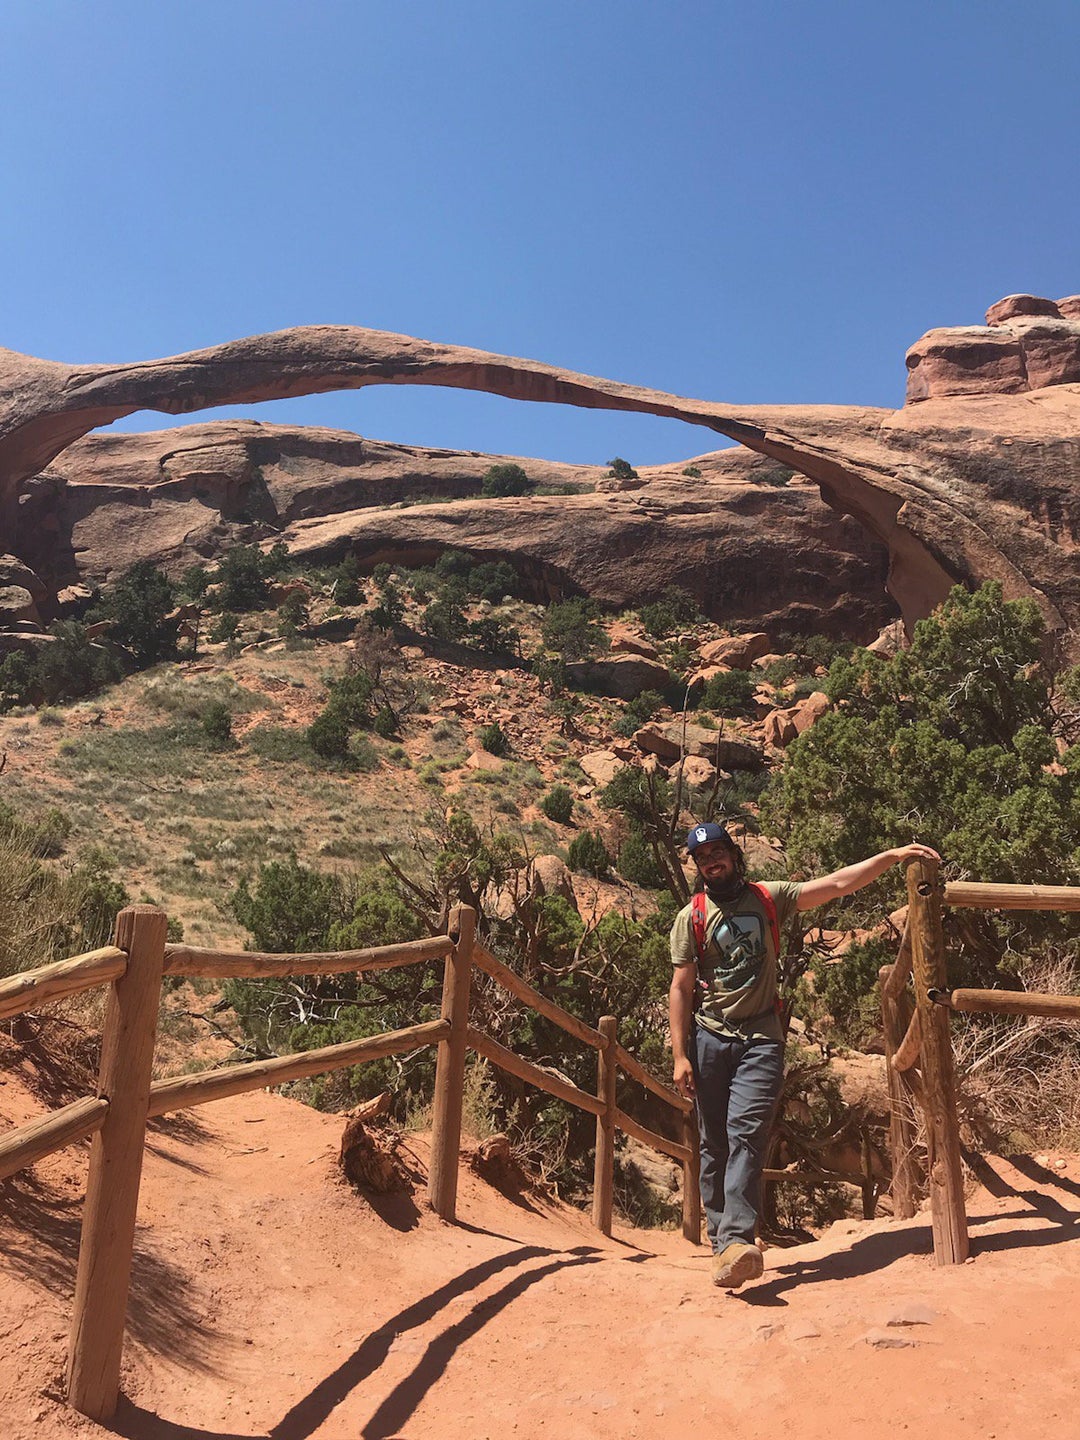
(738,1085)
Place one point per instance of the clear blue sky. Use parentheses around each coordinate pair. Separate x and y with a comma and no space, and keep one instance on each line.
(749,202)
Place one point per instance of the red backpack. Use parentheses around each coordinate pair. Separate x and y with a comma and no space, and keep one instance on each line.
(699,909)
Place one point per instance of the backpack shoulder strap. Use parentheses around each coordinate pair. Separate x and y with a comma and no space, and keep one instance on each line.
(769,906)
(698,910)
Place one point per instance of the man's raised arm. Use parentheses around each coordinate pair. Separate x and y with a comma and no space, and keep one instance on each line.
(854,877)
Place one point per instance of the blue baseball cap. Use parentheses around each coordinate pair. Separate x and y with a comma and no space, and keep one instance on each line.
(706,834)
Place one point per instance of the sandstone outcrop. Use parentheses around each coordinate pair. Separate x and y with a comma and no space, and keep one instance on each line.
(746,549)
(669,742)
(736,652)
(977,480)
(621,676)
(784,726)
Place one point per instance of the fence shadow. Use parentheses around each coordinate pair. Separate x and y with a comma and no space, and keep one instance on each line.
(40,1230)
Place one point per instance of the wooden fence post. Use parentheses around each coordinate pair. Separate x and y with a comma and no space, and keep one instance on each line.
(947,1210)
(112,1190)
(691,1178)
(895,1018)
(607,1071)
(450,1066)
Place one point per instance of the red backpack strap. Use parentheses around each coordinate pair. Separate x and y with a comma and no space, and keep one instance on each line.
(698,909)
(769,906)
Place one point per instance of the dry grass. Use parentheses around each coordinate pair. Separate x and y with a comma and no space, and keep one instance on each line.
(1021,1077)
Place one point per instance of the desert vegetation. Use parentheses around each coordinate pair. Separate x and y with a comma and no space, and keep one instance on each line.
(354,754)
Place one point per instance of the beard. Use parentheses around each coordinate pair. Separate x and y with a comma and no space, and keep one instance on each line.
(722,891)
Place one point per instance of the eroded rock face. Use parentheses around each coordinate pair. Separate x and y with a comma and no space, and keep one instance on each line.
(1026,344)
(745,548)
(979,479)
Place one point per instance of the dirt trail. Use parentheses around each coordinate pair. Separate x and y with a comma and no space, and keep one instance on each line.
(272,1301)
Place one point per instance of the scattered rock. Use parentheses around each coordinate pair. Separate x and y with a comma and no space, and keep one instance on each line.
(671,741)
(483,760)
(620,676)
(601,766)
(803,1330)
(737,652)
(912,1312)
(696,772)
(888,1340)
(493,1160)
(764,1330)
(625,642)
(553,877)
(784,726)
(890,642)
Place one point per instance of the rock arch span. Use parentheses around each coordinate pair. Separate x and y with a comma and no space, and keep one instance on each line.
(956,487)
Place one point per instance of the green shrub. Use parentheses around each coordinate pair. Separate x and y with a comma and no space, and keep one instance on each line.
(136,607)
(674,609)
(494,740)
(444,619)
(730,693)
(637,863)
(504,479)
(329,734)
(570,628)
(638,711)
(692,472)
(621,469)
(588,854)
(217,722)
(558,804)
(241,579)
(225,629)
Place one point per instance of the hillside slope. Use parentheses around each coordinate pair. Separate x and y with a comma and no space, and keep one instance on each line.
(272,1301)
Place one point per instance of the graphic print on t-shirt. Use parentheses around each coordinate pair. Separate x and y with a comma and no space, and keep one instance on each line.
(740,940)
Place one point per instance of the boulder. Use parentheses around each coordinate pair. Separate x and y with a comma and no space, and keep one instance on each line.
(784,726)
(601,766)
(890,642)
(736,652)
(696,772)
(16,604)
(672,740)
(553,877)
(1016,305)
(620,676)
(625,642)
(483,760)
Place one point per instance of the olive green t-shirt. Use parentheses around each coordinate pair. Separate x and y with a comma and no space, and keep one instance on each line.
(739,974)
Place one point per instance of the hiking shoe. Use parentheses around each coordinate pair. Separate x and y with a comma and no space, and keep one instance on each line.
(735,1265)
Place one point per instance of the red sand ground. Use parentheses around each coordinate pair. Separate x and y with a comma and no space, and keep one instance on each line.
(272,1301)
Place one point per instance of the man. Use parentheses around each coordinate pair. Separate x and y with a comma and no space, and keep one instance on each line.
(729,1053)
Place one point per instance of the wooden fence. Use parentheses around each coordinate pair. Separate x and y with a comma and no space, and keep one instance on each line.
(116,1117)
(918,1048)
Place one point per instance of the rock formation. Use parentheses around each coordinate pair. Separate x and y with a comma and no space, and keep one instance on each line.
(976,477)
(748,548)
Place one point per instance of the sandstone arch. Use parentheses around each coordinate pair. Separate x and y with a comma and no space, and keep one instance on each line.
(957,487)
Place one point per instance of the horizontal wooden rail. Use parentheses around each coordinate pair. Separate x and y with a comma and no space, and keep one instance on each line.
(634,1068)
(77,1121)
(978,895)
(242,964)
(1010,1002)
(523,991)
(511,1062)
(188,1090)
(22,992)
(907,1052)
(649,1137)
